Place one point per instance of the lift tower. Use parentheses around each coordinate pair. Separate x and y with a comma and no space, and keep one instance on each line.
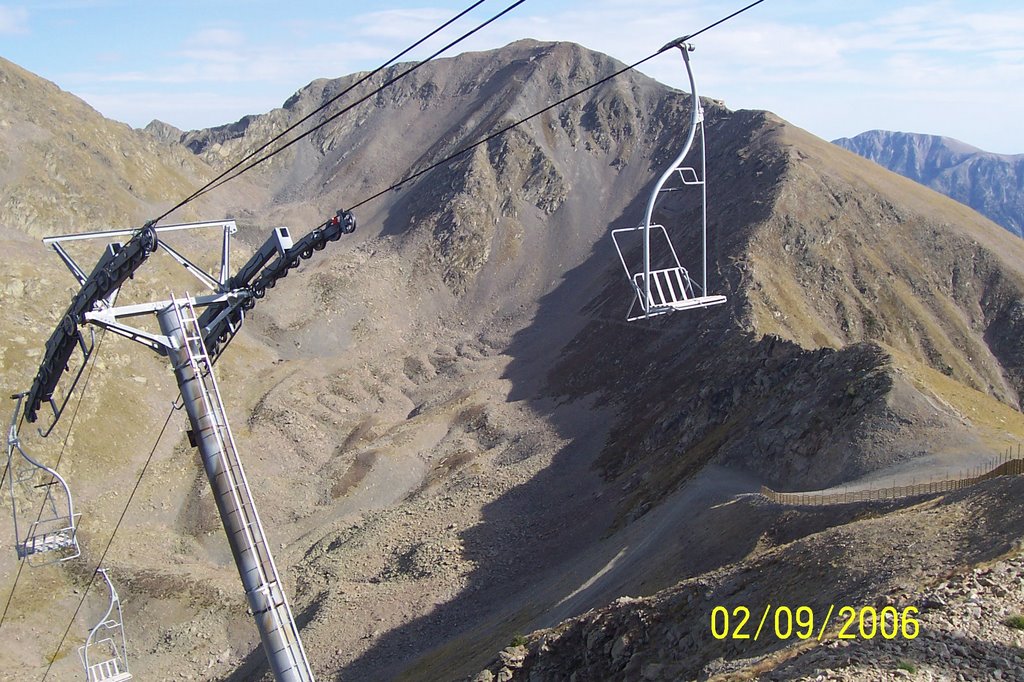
(192,342)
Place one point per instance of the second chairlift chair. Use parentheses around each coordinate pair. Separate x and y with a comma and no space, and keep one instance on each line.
(105,652)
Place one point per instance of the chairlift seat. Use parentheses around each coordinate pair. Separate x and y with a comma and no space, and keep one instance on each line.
(668,286)
(689,304)
(52,536)
(672,291)
(47,542)
(108,671)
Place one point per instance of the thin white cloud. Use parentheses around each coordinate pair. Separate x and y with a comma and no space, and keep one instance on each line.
(219,55)
(215,38)
(13,20)
(401,25)
(65,5)
(931,62)
(823,72)
(942,30)
(251,64)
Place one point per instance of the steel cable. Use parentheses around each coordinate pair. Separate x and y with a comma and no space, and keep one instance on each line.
(230,175)
(488,138)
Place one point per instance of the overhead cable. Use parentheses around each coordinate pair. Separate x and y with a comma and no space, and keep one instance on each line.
(323,106)
(502,131)
(238,169)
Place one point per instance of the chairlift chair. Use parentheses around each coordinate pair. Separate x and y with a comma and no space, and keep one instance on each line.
(668,287)
(105,652)
(45,522)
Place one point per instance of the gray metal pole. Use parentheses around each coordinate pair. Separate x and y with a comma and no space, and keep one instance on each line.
(696,116)
(249,547)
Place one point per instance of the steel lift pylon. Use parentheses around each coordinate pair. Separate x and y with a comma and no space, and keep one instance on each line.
(193,369)
(191,342)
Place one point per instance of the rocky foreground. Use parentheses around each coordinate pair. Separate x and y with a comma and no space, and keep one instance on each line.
(943,615)
(967,633)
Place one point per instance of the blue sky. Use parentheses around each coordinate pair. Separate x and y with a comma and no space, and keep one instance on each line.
(834,67)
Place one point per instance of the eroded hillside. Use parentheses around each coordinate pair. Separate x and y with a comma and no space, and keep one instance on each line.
(64,167)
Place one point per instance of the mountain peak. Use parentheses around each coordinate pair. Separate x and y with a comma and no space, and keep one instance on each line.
(164,132)
(64,166)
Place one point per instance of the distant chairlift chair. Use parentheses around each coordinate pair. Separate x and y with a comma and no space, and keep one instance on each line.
(669,287)
(105,652)
(41,504)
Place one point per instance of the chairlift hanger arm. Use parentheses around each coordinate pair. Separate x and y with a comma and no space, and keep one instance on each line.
(696,118)
(114,268)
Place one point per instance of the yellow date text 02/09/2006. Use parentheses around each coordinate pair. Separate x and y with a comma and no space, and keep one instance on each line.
(784,622)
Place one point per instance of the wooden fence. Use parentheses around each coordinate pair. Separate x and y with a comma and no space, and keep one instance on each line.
(1007,465)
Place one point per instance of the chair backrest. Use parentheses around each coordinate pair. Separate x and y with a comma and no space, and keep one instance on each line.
(668,286)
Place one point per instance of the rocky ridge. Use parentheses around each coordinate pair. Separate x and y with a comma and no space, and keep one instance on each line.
(64,167)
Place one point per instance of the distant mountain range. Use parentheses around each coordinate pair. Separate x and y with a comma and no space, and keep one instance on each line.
(989,183)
